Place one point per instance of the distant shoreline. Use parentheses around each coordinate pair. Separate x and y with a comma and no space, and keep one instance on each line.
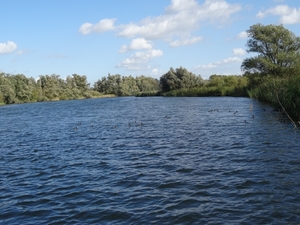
(56,100)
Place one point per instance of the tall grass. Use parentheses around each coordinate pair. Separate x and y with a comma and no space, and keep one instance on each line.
(207,91)
(282,92)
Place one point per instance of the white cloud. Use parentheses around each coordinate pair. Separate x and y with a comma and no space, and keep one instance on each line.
(154,71)
(231,60)
(242,35)
(287,15)
(180,19)
(8,47)
(228,66)
(207,66)
(185,41)
(176,26)
(220,63)
(139,60)
(136,44)
(149,54)
(238,51)
(178,5)
(100,27)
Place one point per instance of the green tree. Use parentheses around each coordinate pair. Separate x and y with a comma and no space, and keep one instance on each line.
(109,85)
(147,84)
(22,86)
(70,91)
(169,81)
(81,83)
(4,79)
(128,87)
(277,48)
(180,78)
(7,94)
(100,85)
(50,86)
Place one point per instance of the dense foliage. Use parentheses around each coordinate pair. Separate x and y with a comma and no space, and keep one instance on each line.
(277,49)
(217,85)
(18,88)
(179,78)
(274,75)
(126,86)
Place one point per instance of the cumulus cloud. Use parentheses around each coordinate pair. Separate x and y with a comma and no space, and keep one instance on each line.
(139,59)
(7,47)
(242,35)
(228,66)
(176,26)
(136,44)
(231,60)
(190,41)
(154,71)
(180,19)
(178,5)
(100,27)
(207,66)
(220,63)
(238,51)
(287,15)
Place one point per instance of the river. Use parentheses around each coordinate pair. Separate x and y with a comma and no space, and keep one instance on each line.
(155,160)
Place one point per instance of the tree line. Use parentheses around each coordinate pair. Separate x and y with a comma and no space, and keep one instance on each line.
(216,85)
(176,82)
(19,88)
(126,85)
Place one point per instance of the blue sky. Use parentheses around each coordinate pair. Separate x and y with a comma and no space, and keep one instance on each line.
(133,37)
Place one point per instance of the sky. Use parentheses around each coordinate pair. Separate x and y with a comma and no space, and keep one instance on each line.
(133,37)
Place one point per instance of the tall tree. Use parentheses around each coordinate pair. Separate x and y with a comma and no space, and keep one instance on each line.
(180,78)
(81,83)
(147,84)
(128,86)
(8,94)
(169,81)
(22,87)
(109,85)
(277,48)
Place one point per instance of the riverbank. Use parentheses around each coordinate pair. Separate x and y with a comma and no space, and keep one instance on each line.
(283,93)
(55,100)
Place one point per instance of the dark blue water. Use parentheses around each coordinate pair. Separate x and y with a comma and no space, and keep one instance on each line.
(148,161)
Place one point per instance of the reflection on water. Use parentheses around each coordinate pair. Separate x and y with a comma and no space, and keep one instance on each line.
(148,160)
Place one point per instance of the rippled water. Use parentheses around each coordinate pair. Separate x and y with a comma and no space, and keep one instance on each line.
(148,161)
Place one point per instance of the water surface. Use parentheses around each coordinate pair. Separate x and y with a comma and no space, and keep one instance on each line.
(148,161)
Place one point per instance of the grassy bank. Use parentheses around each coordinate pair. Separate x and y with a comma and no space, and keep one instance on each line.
(208,91)
(281,92)
(58,99)
(149,94)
